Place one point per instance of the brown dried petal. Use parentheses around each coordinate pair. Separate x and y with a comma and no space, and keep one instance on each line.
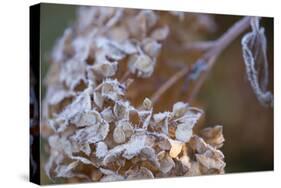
(194,169)
(110,176)
(210,163)
(213,136)
(198,144)
(166,162)
(142,173)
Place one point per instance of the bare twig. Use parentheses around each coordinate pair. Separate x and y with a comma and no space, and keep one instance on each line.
(155,97)
(201,46)
(125,76)
(223,42)
(209,57)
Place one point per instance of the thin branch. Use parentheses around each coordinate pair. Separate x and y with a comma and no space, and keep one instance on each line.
(221,44)
(209,57)
(125,76)
(201,46)
(155,97)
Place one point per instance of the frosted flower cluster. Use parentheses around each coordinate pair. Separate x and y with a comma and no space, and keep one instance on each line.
(97,134)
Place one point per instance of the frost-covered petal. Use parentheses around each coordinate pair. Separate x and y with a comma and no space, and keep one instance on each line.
(101,149)
(141,65)
(176,148)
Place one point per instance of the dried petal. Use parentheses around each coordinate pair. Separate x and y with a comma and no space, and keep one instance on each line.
(110,176)
(101,149)
(92,134)
(119,135)
(112,89)
(160,33)
(213,136)
(141,65)
(166,162)
(98,99)
(183,132)
(142,173)
(151,47)
(179,109)
(121,110)
(65,171)
(147,104)
(107,115)
(105,69)
(176,147)
(89,118)
(210,163)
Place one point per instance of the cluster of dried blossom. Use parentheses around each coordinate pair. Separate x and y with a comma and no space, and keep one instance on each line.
(97,135)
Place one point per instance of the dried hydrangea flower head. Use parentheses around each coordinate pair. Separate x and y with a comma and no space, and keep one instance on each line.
(97,134)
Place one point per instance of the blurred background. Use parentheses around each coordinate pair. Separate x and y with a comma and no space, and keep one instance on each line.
(226,96)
